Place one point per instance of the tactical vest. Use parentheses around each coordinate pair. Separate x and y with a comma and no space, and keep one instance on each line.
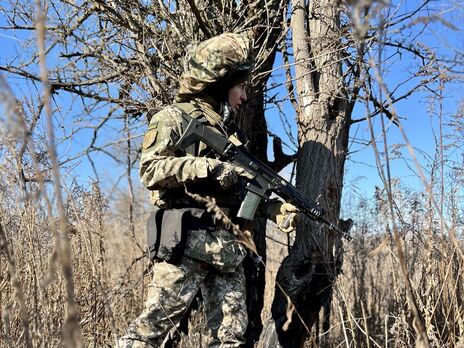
(185,228)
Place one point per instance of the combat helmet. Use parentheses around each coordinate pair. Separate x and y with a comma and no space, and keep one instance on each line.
(216,65)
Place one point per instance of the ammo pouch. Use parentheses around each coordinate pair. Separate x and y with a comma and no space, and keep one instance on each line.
(172,233)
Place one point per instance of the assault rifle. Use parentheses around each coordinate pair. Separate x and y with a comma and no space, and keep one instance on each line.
(265,179)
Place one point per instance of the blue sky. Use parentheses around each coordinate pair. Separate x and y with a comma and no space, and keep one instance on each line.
(360,167)
(420,125)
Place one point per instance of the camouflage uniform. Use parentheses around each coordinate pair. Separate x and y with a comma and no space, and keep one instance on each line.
(211,258)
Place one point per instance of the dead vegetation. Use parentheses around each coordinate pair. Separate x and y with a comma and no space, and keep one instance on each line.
(369,307)
(72,271)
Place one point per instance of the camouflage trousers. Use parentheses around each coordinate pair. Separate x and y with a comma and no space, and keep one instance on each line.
(171,293)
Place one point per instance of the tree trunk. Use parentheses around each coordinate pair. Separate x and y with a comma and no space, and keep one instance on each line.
(308,272)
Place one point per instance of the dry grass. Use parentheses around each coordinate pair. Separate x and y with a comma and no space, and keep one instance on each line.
(370,303)
(369,307)
(86,251)
(109,286)
(106,241)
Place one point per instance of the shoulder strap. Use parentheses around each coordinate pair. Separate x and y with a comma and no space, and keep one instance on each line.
(191,111)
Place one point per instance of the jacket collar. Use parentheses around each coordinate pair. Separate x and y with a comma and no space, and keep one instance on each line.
(210,108)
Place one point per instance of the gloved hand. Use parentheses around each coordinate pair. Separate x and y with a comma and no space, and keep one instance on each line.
(227,174)
(286,220)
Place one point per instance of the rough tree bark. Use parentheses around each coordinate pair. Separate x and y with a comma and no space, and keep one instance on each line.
(308,272)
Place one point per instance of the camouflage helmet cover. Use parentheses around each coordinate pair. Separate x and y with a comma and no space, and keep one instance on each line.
(215,59)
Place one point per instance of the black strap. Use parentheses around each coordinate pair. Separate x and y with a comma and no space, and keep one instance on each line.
(190,111)
(155,219)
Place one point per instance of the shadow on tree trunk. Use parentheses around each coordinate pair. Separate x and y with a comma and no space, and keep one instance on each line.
(309,287)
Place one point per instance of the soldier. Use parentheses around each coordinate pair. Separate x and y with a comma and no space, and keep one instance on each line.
(191,249)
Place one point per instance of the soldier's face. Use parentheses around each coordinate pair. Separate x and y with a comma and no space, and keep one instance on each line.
(237,95)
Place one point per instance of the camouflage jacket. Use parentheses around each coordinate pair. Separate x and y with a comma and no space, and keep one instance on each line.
(168,172)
